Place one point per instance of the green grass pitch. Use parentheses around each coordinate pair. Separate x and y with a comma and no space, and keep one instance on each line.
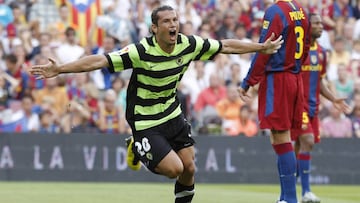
(50,192)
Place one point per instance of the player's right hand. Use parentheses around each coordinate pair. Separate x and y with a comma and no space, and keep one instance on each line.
(48,70)
(341,105)
(244,95)
(272,47)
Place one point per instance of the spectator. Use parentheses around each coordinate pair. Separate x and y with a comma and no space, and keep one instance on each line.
(336,125)
(119,85)
(235,76)
(23,61)
(189,14)
(356,10)
(18,21)
(228,108)
(187,28)
(69,51)
(355,115)
(206,101)
(344,85)
(31,118)
(54,96)
(47,123)
(45,12)
(77,119)
(215,22)
(220,66)
(343,13)
(227,30)
(102,77)
(356,32)
(35,84)
(15,71)
(241,33)
(327,13)
(206,29)
(76,89)
(117,8)
(44,41)
(244,14)
(111,118)
(6,82)
(62,22)
(338,56)
(204,7)
(243,125)
(194,80)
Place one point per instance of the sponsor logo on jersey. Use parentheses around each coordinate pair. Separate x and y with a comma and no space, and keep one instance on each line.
(266,24)
(123,50)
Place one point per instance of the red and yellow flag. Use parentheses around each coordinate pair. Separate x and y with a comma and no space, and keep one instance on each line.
(82,15)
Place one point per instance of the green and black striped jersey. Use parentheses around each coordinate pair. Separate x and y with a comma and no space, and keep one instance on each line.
(151,94)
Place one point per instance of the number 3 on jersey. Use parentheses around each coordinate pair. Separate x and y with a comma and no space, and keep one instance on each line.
(299,31)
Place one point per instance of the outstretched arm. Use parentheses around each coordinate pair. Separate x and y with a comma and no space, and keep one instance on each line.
(85,64)
(233,46)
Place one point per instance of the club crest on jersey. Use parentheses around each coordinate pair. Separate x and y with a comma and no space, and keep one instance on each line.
(123,50)
(314,59)
(179,61)
(266,24)
(321,56)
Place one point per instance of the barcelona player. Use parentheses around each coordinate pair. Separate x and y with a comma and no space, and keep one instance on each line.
(313,74)
(280,86)
(161,135)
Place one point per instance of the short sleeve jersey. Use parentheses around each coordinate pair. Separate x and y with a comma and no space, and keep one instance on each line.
(151,94)
(286,18)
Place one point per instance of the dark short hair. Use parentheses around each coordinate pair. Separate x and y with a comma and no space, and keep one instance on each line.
(11,58)
(154,14)
(69,30)
(62,5)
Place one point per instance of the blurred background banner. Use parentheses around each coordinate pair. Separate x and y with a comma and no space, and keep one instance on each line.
(95,157)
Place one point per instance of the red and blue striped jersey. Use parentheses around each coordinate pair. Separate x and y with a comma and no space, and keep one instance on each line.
(312,71)
(289,19)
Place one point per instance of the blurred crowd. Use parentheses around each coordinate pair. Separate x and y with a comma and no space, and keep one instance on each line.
(31,31)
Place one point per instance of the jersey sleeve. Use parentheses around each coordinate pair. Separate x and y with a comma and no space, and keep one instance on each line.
(120,60)
(272,23)
(206,49)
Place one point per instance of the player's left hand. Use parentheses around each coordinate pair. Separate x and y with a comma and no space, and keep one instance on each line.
(340,104)
(244,95)
(272,47)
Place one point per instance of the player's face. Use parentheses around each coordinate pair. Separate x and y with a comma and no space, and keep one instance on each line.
(316,26)
(167,29)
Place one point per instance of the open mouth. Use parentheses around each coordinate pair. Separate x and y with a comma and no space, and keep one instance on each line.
(172,33)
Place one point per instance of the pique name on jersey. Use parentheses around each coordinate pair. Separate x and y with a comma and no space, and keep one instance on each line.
(297,15)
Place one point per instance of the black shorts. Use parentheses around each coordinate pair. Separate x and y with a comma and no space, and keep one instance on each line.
(153,144)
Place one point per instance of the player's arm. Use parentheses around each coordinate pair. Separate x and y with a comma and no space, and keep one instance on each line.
(272,24)
(233,46)
(85,64)
(338,103)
